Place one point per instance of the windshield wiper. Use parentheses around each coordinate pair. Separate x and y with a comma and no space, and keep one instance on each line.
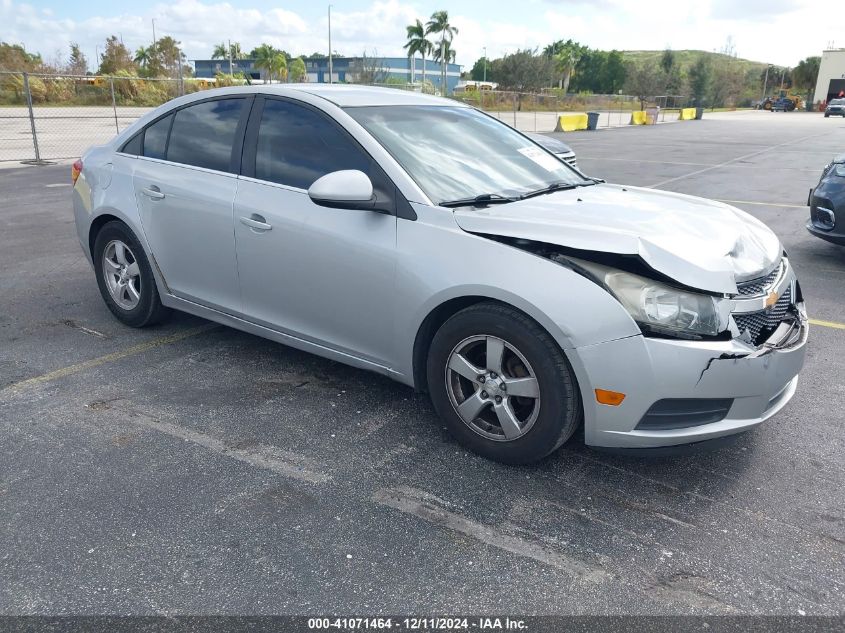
(479,200)
(555,186)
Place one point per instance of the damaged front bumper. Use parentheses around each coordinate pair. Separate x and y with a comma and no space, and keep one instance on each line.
(697,390)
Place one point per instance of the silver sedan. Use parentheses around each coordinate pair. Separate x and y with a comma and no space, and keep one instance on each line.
(422,239)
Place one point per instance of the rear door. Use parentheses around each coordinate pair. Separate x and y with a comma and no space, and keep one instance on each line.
(185,183)
(325,275)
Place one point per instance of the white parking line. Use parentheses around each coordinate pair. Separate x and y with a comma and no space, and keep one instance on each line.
(733,160)
(420,504)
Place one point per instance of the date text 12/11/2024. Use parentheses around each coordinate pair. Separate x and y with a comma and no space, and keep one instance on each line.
(418,624)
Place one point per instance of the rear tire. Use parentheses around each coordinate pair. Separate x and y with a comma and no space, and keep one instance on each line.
(480,369)
(125,278)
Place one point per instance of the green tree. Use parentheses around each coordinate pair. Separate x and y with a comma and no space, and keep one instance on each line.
(522,71)
(264,59)
(417,43)
(143,56)
(297,70)
(115,57)
(481,65)
(805,74)
(644,80)
(279,66)
(14,57)
(667,61)
(614,73)
(77,63)
(700,74)
(566,60)
(221,51)
(169,56)
(439,24)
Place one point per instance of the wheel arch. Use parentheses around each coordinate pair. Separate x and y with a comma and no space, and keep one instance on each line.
(110,215)
(441,313)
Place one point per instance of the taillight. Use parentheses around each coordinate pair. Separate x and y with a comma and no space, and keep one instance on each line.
(75,170)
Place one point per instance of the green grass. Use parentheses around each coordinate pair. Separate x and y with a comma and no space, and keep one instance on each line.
(686,58)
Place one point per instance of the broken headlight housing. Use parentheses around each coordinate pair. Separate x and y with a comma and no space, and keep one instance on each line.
(660,308)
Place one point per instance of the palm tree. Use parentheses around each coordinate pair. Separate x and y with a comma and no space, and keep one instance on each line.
(439,23)
(143,56)
(264,59)
(417,43)
(279,65)
(221,51)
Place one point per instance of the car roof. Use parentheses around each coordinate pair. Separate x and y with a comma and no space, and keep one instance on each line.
(343,95)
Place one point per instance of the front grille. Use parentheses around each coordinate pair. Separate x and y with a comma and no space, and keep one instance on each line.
(758,286)
(761,324)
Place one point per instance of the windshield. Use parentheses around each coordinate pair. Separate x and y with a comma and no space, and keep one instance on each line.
(838,102)
(456,153)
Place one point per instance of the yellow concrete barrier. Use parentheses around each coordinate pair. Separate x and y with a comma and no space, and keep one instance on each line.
(639,117)
(571,122)
(686,114)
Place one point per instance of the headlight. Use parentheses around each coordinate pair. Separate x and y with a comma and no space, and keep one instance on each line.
(662,308)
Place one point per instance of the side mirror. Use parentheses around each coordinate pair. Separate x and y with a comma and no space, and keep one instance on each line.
(345,189)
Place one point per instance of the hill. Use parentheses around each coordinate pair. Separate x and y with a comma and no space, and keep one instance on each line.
(686,58)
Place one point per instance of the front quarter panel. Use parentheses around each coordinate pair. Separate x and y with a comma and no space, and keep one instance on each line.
(437,261)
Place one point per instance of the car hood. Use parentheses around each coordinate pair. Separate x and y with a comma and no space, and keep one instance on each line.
(700,243)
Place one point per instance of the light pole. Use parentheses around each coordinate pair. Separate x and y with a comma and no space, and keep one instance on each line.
(485,64)
(331,79)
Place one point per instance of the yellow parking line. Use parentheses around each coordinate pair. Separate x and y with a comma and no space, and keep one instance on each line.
(94,362)
(833,324)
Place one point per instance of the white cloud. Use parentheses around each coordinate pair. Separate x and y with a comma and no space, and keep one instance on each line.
(779,31)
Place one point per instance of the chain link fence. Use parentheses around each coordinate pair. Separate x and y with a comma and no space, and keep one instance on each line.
(54,117)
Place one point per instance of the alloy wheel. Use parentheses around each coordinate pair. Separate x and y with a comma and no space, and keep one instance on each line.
(493,388)
(122,274)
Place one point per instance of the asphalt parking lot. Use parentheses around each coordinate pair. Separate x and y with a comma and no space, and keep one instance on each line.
(191,468)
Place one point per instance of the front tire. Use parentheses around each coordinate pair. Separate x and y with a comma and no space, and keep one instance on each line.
(502,385)
(125,278)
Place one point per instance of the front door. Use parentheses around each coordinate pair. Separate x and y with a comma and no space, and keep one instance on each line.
(322,274)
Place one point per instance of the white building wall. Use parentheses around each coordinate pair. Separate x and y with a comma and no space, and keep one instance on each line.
(831,67)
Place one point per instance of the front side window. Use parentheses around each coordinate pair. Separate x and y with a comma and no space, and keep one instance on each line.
(155,138)
(203,134)
(296,146)
(455,153)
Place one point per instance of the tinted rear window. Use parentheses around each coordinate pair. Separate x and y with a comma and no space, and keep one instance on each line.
(203,134)
(155,138)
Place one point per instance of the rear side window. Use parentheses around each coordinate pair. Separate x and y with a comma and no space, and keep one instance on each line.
(296,146)
(155,138)
(203,134)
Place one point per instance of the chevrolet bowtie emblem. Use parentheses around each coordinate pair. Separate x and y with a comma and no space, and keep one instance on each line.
(772,299)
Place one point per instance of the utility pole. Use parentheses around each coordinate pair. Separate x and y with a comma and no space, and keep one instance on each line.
(331,79)
(442,66)
(154,39)
(485,64)
(765,84)
(230,58)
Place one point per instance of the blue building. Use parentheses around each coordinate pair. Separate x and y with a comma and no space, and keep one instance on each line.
(346,70)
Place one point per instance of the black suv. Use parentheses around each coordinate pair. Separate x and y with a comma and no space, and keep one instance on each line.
(827,203)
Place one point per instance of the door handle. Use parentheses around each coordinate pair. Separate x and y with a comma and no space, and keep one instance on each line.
(257,223)
(152,192)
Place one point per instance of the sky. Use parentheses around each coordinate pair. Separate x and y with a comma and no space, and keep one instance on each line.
(781,32)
